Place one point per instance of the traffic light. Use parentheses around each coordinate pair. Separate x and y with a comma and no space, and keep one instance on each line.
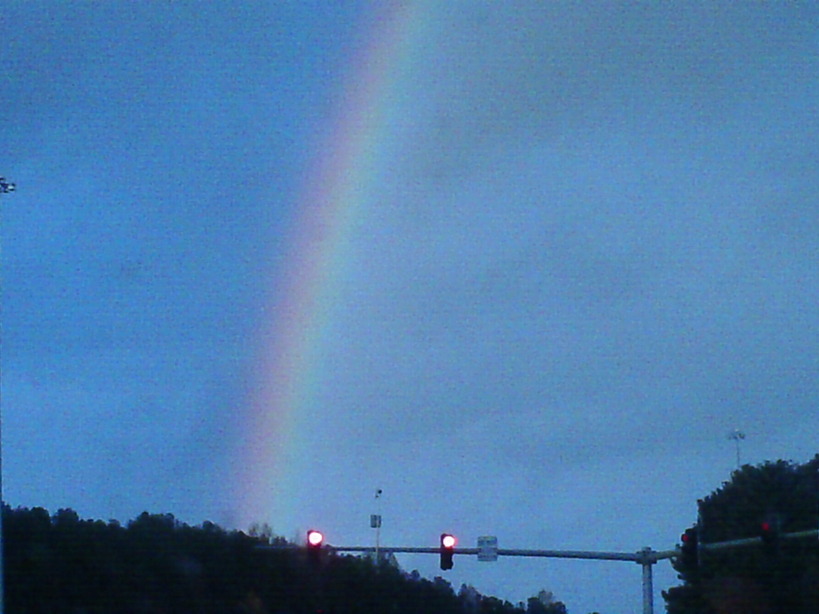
(770,531)
(314,541)
(689,549)
(447,550)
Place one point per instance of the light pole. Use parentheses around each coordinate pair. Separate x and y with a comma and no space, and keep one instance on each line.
(5,188)
(375,523)
(737,436)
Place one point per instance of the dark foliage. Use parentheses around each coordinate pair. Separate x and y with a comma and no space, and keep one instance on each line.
(62,564)
(778,578)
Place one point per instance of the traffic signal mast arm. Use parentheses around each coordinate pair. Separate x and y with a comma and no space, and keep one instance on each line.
(751,541)
(643,556)
(637,557)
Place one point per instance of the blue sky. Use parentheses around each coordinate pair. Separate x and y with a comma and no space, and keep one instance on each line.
(590,254)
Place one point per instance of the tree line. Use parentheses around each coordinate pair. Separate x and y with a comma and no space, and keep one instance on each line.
(62,564)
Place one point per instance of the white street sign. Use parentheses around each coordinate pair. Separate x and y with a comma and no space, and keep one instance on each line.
(488,548)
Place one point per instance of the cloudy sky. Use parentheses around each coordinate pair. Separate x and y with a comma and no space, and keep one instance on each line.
(522,266)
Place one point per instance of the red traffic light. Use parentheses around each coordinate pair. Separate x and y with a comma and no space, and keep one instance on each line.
(314,550)
(314,538)
(689,552)
(447,549)
(770,532)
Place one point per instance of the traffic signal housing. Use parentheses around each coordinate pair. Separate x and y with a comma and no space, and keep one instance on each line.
(315,539)
(689,549)
(770,532)
(447,550)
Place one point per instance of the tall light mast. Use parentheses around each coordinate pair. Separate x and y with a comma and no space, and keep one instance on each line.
(5,188)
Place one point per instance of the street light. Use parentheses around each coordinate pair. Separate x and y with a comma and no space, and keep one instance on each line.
(5,188)
(375,523)
(737,436)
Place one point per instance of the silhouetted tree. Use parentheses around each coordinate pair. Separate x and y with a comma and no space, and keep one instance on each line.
(780,579)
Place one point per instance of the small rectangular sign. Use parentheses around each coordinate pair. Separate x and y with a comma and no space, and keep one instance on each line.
(375,521)
(487,548)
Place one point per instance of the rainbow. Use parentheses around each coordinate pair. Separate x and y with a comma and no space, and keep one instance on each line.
(334,196)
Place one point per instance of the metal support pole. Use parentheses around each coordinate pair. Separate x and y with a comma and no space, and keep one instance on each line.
(737,436)
(648,581)
(5,188)
(378,542)
(378,494)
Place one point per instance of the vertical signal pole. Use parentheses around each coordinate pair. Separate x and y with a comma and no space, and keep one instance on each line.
(5,188)
(646,562)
